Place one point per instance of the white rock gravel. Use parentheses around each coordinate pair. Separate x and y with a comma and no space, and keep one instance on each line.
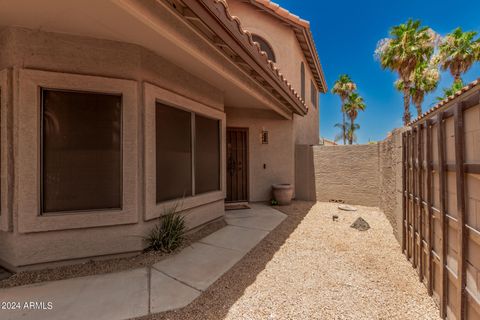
(311,267)
(327,270)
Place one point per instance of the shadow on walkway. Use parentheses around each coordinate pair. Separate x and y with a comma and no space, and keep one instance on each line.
(216,301)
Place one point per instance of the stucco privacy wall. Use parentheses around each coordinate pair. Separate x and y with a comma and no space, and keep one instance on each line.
(348,173)
(270,163)
(390,169)
(304,173)
(23,48)
(369,175)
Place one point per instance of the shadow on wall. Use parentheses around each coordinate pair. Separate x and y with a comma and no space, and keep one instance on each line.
(305,188)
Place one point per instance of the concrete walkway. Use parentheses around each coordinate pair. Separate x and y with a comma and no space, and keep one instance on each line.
(169,284)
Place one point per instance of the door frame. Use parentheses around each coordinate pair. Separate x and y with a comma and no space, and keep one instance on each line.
(247,165)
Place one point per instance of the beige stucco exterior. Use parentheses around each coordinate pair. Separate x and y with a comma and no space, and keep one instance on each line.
(79,236)
(171,70)
(289,56)
(270,163)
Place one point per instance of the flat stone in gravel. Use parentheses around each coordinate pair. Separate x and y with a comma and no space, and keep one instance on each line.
(118,296)
(199,265)
(346,207)
(167,293)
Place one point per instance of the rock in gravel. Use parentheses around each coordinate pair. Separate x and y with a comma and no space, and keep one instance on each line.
(360,224)
(335,217)
(345,207)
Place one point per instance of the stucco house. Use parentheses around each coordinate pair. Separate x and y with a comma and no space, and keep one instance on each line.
(113,110)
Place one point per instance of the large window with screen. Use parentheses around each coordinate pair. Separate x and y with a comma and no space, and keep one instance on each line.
(173,153)
(207,154)
(81,148)
(187,152)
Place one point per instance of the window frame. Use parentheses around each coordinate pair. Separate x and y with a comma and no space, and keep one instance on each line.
(28,144)
(152,95)
(5,106)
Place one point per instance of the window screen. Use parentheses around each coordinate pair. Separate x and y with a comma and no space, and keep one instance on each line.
(173,153)
(81,151)
(207,154)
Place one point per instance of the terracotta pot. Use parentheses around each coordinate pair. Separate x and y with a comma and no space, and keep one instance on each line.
(283,193)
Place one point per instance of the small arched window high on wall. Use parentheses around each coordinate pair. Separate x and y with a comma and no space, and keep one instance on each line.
(264,46)
(302,81)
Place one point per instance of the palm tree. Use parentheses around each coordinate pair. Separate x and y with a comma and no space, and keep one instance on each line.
(351,132)
(447,92)
(458,51)
(343,87)
(354,104)
(410,45)
(424,80)
(343,131)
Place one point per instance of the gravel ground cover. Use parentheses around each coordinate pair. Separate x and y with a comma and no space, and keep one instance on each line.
(94,267)
(311,267)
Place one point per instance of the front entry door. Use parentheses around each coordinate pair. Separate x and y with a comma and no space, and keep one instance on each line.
(237,164)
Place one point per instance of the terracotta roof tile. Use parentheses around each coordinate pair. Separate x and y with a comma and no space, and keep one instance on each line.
(270,64)
(304,25)
(284,13)
(460,92)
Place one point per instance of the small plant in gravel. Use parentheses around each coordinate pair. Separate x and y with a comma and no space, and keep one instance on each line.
(274,202)
(169,233)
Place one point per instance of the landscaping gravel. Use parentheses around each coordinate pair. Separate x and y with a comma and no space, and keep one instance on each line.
(311,267)
(94,267)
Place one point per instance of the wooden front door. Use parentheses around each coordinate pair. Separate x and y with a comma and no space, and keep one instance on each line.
(237,164)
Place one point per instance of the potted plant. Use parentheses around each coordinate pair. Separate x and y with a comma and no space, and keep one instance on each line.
(282,193)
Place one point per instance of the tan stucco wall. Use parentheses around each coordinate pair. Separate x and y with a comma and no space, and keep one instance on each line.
(22,48)
(289,56)
(348,173)
(369,175)
(305,188)
(391,180)
(277,155)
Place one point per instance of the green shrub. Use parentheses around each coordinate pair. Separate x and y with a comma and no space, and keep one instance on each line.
(169,233)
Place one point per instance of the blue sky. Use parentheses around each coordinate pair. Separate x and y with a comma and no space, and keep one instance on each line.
(346,33)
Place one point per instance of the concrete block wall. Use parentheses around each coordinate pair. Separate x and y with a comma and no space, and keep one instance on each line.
(390,172)
(369,175)
(348,173)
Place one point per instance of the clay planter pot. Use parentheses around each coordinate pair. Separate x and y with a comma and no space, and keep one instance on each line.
(282,193)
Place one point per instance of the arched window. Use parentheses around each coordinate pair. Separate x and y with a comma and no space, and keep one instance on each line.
(264,46)
(302,80)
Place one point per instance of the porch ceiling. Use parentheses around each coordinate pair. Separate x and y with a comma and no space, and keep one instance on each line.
(151,24)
